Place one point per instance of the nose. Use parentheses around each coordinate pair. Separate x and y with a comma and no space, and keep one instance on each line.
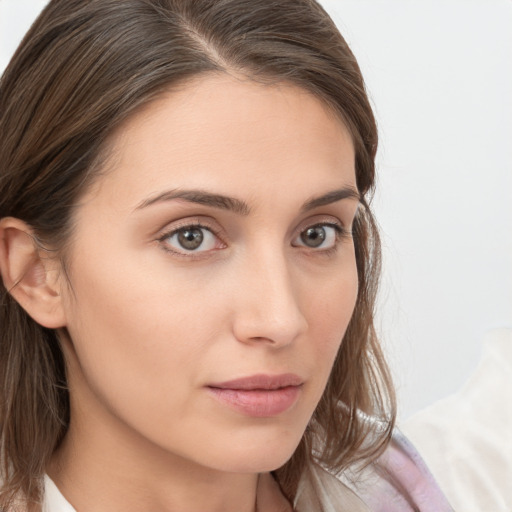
(268,305)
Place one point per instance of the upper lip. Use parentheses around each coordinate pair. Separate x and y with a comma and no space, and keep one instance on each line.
(260,381)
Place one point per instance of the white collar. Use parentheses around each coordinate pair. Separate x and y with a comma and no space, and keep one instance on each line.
(53,499)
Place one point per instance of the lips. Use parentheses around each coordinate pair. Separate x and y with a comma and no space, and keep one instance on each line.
(259,395)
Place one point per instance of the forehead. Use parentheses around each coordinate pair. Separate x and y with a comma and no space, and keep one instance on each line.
(236,132)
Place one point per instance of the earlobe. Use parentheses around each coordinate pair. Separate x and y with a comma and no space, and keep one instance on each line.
(26,274)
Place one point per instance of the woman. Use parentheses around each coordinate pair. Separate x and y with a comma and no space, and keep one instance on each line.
(189,263)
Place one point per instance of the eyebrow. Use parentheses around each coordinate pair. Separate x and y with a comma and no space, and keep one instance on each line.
(331,197)
(241,207)
(200,197)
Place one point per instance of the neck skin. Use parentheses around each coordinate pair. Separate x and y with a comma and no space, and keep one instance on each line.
(103,465)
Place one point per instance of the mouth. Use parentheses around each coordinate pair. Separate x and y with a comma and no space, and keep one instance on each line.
(261,396)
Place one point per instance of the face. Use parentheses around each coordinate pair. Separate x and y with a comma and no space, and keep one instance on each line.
(212,273)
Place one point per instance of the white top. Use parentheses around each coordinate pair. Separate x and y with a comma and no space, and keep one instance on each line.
(54,501)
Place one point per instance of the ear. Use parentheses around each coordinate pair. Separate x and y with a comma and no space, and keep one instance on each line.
(29,275)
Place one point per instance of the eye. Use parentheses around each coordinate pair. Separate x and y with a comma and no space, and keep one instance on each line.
(194,238)
(319,236)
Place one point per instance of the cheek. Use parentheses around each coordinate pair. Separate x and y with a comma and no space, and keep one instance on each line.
(334,299)
(330,309)
(131,329)
(142,353)
(141,319)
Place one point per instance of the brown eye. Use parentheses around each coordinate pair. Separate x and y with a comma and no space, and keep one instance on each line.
(319,236)
(190,238)
(314,236)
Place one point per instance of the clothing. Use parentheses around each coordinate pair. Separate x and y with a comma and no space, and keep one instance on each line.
(466,438)
(398,481)
(53,499)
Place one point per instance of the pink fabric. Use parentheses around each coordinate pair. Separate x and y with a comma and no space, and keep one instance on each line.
(399,481)
(402,482)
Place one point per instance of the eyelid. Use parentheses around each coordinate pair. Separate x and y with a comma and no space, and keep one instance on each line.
(341,232)
(209,224)
(195,222)
(202,221)
(338,229)
(327,220)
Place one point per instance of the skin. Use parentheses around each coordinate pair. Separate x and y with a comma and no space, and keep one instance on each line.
(148,325)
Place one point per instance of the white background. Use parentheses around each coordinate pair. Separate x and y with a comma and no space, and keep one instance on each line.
(440,77)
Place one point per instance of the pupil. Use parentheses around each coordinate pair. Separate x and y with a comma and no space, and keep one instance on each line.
(190,238)
(313,237)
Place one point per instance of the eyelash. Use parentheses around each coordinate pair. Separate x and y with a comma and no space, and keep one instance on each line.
(190,225)
(340,233)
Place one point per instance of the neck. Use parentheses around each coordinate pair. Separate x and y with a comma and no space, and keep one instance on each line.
(105,474)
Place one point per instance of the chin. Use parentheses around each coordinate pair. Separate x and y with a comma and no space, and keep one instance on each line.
(260,455)
(260,463)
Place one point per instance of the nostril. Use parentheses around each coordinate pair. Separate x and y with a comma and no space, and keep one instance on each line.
(277,330)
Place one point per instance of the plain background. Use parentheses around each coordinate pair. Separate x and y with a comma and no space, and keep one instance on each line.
(439,73)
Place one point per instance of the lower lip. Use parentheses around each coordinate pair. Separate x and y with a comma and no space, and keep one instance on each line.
(260,403)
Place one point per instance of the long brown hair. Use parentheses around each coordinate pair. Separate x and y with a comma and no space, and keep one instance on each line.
(83,68)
